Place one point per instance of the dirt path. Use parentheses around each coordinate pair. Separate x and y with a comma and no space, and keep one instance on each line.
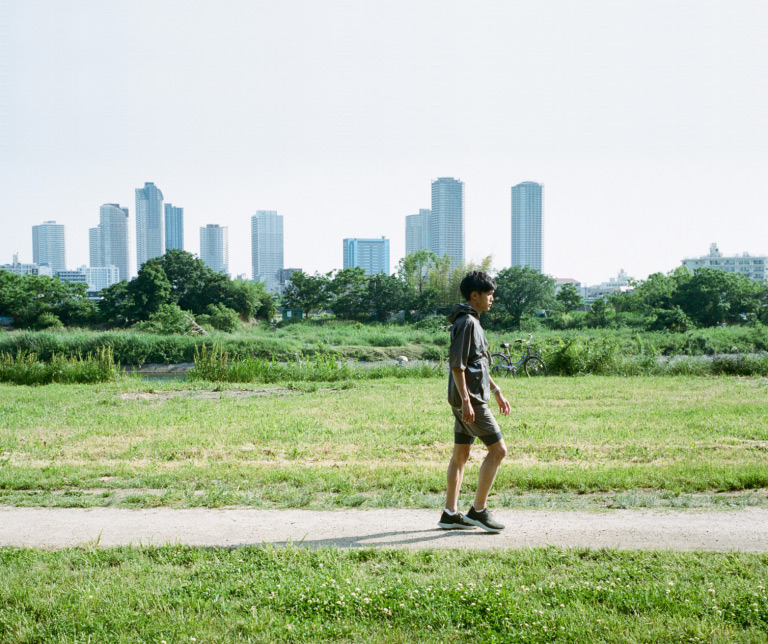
(745,530)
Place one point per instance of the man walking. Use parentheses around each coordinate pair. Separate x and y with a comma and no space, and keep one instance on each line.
(469,391)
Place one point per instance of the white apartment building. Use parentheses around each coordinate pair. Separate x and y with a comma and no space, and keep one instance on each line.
(745,264)
(618,284)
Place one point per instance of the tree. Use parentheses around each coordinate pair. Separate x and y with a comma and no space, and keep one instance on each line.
(520,290)
(116,306)
(568,298)
(385,295)
(347,293)
(414,269)
(711,297)
(191,282)
(28,297)
(150,290)
(307,292)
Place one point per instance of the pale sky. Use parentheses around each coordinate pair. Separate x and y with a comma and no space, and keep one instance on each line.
(644,120)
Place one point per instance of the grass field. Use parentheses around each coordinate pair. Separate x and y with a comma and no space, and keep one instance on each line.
(196,596)
(611,442)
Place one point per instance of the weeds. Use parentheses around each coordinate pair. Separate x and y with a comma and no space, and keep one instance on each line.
(26,369)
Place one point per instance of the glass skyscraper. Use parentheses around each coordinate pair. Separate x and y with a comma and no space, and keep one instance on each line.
(372,255)
(174,227)
(214,247)
(150,241)
(417,231)
(109,240)
(446,227)
(526,225)
(267,248)
(48,246)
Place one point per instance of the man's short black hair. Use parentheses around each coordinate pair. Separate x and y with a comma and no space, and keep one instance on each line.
(476,281)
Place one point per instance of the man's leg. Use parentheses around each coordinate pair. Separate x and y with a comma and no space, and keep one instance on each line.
(455,474)
(496,453)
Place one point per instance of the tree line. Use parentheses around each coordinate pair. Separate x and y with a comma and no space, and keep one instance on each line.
(171,289)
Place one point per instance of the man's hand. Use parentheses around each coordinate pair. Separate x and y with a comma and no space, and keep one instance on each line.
(467,411)
(504,405)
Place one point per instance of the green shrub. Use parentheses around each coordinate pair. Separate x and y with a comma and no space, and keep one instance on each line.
(167,320)
(47,321)
(220,317)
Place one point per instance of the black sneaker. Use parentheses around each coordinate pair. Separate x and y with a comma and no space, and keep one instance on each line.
(455,522)
(483,520)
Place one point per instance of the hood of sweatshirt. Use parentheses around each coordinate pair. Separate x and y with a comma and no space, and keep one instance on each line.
(461,309)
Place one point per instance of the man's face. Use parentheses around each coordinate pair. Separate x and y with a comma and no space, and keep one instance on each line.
(481,301)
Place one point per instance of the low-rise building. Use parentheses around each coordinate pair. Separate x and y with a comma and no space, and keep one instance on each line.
(751,266)
(619,284)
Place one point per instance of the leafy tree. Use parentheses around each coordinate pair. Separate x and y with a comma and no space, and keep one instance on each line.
(347,293)
(568,298)
(414,269)
(150,290)
(711,297)
(28,297)
(385,295)
(307,292)
(189,279)
(249,299)
(116,306)
(520,290)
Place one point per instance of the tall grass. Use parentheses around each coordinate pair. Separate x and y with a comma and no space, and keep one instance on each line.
(216,364)
(27,369)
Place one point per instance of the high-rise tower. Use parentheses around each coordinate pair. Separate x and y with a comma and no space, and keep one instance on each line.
(446,228)
(214,247)
(526,225)
(267,248)
(109,240)
(150,241)
(417,231)
(174,227)
(48,245)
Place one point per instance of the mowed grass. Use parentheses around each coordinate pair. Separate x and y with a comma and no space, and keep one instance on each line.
(378,443)
(183,595)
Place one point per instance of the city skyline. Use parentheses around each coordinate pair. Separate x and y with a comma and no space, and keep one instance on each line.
(643,120)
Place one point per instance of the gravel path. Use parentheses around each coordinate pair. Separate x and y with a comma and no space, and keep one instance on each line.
(745,530)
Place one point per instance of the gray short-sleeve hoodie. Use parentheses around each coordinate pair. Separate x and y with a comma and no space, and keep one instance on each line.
(469,352)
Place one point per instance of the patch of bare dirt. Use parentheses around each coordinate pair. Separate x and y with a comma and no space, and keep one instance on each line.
(160,396)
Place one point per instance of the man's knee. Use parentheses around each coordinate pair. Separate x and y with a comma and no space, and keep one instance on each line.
(498,450)
(460,455)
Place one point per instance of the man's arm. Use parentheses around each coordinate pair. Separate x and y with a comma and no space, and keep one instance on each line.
(504,406)
(467,411)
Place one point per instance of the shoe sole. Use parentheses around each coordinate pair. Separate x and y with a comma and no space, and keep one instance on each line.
(455,526)
(479,524)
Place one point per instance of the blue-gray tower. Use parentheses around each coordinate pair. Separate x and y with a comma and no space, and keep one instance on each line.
(174,227)
(446,224)
(150,241)
(526,225)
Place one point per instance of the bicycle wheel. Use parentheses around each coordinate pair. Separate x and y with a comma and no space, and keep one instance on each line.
(535,367)
(499,365)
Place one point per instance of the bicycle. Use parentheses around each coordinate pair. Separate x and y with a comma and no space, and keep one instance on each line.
(502,365)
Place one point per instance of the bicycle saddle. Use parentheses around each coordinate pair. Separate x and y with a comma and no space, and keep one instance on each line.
(504,345)
(519,341)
